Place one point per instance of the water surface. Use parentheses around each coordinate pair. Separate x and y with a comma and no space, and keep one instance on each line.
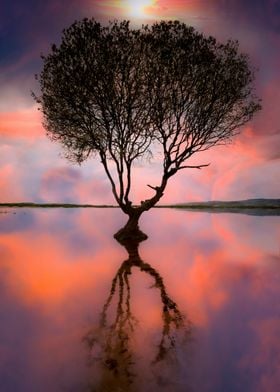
(195,308)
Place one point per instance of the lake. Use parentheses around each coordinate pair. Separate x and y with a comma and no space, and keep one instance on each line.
(195,307)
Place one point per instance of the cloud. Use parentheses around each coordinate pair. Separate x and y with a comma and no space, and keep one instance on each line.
(27,30)
(22,162)
(267,121)
(261,13)
(10,189)
(24,123)
(263,359)
(60,184)
(260,180)
(75,185)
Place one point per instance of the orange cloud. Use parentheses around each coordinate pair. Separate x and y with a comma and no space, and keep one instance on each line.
(26,123)
(41,271)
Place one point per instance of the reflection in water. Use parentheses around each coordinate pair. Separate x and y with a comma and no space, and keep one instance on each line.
(56,271)
(111,344)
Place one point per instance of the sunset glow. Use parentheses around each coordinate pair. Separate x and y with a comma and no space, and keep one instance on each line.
(84,304)
(138,8)
(244,170)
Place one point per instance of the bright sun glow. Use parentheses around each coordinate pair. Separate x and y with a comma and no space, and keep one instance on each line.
(137,8)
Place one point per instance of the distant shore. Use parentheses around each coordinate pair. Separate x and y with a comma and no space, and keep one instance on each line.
(250,203)
(251,206)
(258,207)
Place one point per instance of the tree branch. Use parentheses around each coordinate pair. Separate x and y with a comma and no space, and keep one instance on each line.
(114,190)
(155,188)
(194,167)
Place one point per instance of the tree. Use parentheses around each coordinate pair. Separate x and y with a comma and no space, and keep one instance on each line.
(120,94)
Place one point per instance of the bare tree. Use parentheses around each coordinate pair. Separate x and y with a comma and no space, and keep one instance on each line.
(120,93)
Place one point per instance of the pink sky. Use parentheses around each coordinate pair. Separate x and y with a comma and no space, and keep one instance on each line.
(33,169)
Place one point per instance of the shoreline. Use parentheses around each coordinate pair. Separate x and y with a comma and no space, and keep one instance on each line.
(251,204)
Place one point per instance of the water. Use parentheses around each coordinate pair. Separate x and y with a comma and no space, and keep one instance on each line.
(195,308)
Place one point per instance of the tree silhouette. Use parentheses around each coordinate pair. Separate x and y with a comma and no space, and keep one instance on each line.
(121,94)
(112,341)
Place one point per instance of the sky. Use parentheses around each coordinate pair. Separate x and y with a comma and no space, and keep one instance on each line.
(32,168)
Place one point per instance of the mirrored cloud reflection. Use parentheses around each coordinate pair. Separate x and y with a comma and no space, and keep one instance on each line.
(218,273)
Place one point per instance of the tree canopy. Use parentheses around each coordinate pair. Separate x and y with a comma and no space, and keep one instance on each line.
(118,93)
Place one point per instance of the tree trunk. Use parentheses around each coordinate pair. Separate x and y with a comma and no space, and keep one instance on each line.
(131,230)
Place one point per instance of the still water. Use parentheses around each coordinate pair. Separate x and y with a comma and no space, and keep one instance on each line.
(196,307)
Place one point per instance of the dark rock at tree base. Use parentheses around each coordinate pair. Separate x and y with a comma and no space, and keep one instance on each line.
(124,235)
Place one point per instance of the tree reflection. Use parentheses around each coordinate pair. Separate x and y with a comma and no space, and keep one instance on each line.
(111,343)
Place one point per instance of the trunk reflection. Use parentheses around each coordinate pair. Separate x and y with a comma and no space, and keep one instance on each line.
(110,344)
